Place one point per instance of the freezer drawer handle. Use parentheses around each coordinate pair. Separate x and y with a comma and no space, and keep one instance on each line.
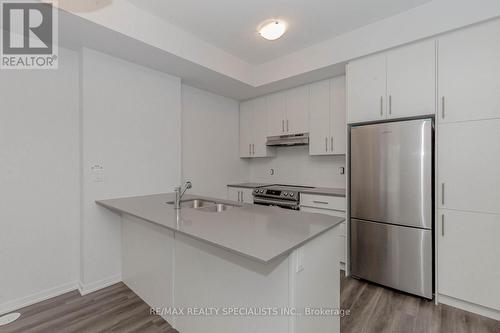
(442,225)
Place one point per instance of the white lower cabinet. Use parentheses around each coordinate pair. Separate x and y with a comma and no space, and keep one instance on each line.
(468,257)
(240,194)
(329,205)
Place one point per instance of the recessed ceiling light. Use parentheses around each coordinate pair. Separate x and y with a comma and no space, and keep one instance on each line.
(273,30)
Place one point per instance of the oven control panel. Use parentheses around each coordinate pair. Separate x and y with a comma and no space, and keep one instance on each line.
(276,193)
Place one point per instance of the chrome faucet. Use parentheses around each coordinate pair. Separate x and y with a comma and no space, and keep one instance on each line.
(179,193)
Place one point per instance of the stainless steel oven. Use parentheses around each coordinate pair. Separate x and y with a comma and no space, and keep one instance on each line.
(284,196)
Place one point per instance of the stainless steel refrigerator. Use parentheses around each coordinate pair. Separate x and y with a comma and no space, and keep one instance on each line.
(391,204)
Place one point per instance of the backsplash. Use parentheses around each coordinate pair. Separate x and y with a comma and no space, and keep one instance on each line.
(294,165)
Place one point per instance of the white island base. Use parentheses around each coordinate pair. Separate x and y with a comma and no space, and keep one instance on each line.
(174,273)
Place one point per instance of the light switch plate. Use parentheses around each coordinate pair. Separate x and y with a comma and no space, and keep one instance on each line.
(97,171)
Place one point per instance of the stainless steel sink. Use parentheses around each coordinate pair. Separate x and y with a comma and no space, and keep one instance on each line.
(194,203)
(205,205)
(217,208)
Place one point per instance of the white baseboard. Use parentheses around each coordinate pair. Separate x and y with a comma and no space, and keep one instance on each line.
(342,266)
(37,297)
(471,307)
(88,288)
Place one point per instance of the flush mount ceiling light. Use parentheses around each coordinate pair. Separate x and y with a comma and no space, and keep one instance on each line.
(272,30)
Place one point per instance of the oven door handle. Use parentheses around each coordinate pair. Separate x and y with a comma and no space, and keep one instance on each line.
(275,202)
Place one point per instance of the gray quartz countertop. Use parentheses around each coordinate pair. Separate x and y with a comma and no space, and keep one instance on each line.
(248,185)
(257,232)
(330,191)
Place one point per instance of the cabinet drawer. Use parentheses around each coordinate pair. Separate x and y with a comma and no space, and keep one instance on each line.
(324,202)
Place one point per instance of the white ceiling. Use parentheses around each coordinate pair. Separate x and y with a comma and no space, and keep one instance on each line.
(231,25)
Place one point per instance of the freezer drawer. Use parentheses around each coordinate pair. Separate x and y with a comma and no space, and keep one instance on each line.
(393,256)
(391,173)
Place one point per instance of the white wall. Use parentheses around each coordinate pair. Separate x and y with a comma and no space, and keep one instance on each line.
(210,142)
(132,128)
(293,165)
(39,182)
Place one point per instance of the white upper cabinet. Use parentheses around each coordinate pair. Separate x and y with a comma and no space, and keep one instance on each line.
(288,112)
(469,73)
(253,129)
(411,80)
(246,128)
(327,119)
(468,163)
(367,88)
(297,110)
(276,114)
(319,118)
(260,129)
(398,84)
(338,116)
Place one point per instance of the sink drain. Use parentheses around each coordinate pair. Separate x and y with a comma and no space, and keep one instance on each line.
(9,318)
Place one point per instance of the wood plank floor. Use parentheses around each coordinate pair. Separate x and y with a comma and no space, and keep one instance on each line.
(113,309)
(373,310)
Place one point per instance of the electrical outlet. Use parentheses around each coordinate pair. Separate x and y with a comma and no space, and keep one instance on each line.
(342,170)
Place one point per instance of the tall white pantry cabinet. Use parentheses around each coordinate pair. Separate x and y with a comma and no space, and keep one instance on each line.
(455,77)
(468,226)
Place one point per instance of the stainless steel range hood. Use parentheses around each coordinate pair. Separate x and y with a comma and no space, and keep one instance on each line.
(288,140)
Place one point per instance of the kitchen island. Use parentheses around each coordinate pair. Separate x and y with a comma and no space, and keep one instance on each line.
(231,267)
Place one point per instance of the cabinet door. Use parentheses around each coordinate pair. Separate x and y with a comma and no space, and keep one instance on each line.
(468,252)
(297,110)
(469,73)
(233,193)
(276,114)
(342,227)
(338,126)
(259,148)
(246,128)
(246,195)
(468,164)
(367,89)
(411,80)
(319,118)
